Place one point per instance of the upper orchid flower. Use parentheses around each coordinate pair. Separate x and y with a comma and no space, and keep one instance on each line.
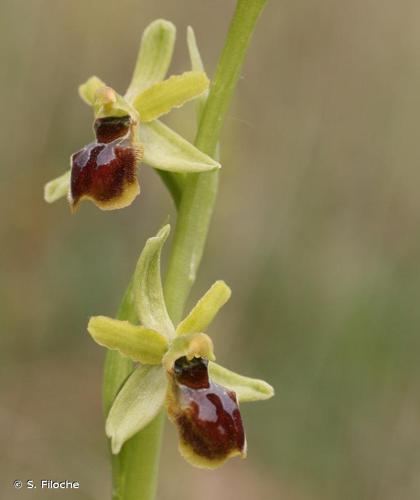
(128,130)
(177,369)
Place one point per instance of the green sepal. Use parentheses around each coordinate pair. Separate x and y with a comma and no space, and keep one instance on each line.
(195,57)
(247,389)
(147,286)
(87,90)
(134,341)
(205,310)
(154,56)
(164,149)
(138,402)
(191,345)
(57,188)
(196,65)
(160,98)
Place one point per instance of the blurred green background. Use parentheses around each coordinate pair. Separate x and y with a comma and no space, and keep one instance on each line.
(316,230)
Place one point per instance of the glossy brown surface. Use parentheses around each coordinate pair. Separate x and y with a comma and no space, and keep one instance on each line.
(111,128)
(105,170)
(207,416)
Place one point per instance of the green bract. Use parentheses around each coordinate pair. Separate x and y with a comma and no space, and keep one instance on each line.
(148,97)
(157,346)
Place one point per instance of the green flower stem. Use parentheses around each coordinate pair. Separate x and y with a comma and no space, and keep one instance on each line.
(200,190)
(135,468)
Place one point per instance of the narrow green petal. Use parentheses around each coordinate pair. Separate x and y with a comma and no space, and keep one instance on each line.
(164,149)
(57,188)
(154,57)
(206,309)
(137,403)
(196,65)
(247,389)
(136,342)
(87,90)
(147,286)
(192,345)
(161,97)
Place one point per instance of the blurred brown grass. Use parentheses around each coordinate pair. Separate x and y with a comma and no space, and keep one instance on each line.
(316,230)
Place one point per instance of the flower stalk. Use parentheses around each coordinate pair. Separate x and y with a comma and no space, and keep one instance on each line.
(200,191)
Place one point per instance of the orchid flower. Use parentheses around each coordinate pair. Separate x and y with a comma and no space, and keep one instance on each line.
(176,369)
(128,129)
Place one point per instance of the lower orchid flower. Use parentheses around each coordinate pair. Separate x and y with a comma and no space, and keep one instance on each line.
(176,370)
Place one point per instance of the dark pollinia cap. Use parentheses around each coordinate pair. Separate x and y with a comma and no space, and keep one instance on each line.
(206,414)
(111,128)
(192,373)
(104,171)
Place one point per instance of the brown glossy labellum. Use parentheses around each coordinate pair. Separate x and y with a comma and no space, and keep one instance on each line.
(206,414)
(104,171)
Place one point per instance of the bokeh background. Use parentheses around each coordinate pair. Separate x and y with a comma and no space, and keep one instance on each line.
(317,230)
